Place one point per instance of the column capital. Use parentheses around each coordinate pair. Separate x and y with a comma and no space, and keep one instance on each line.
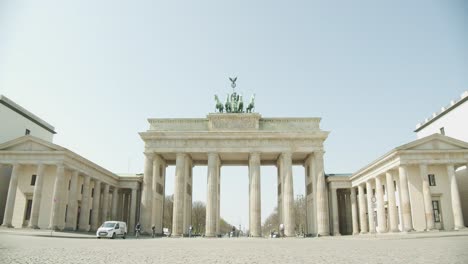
(149,155)
(286,154)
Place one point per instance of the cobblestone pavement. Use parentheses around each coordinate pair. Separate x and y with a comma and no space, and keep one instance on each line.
(23,247)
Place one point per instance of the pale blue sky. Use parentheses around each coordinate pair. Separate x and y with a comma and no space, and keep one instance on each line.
(96,70)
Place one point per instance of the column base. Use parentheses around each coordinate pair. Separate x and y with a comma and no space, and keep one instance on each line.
(336,234)
(432,230)
(323,234)
(8,226)
(363,233)
(355,233)
(83,228)
(457,228)
(394,231)
(34,227)
(69,229)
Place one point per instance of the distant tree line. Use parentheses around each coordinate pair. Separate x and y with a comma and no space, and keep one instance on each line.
(198,217)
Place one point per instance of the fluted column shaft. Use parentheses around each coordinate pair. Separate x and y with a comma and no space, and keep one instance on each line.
(11,196)
(288,201)
(146,195)
(455,197)
(405,200)
(115,200)
(391,205)
(133,205)
(336,219)
(96,199)
(178,212)
(37,196)
(362,210)
(254,195)
(370,209)
(84,212)
(105,203)
(381,217)
(354,212)
(57,198)
(427,197)
(72,211)
(211,200)
(323,228)
(187,195)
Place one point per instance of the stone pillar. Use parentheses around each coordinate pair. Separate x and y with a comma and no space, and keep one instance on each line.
(336,219)
(115,201)
(455,198)
(255,222)
(382,218)
(370,209)
(146,193)
(72,210)
(405,200)
(211,211)
(36,202)
(427,196)
(105,203)
(362,210)
(133,208)
(178,212)
(187,195)
(354,212)
(288,195)
(218,201)
(158,193)
(96,198)
(391,205)
(84,212)
(280,191)
(10,204)
(323,228)
(57,198)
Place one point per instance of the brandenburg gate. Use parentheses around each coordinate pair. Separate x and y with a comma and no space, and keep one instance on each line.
(228,138)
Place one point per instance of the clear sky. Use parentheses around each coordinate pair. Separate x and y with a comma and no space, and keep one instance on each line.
(96,70)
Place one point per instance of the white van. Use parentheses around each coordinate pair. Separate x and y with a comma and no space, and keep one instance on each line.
(112,229)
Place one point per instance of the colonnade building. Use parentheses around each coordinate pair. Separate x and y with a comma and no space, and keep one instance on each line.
(413,187)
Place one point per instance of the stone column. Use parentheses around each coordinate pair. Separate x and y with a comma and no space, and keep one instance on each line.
(36,202)
(146,193)
(392,210)
(178,212)
(133,205)
(187,195)
(158,194)
(370,209)
(323,228)
(382,218)
(254,195)
(115,200)
(211,211)
(427,196)
(10,204)
(105,203)
(455,198)
(362,210)
(84,212)
(405,200)
(57,198)
(354,212)
(72,210)
(288,196)
(280,190)
(96,198)
(336,219)
(218,201)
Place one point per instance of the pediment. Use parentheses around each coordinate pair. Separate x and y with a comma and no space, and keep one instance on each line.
(28,143)
(435,142)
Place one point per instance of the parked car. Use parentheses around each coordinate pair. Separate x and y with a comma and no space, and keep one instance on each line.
(112,229)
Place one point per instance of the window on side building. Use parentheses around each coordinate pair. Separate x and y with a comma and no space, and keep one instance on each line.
(33,180)
(442,131)
(432,181)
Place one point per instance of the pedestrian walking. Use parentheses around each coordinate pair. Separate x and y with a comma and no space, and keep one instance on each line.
(137,230)
(153,229)
(282,230)
(190,231)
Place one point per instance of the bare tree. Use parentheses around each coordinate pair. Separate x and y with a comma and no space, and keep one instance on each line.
(168,209)
(198,217)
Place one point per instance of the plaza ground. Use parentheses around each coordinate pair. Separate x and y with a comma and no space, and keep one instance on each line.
(29,246)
